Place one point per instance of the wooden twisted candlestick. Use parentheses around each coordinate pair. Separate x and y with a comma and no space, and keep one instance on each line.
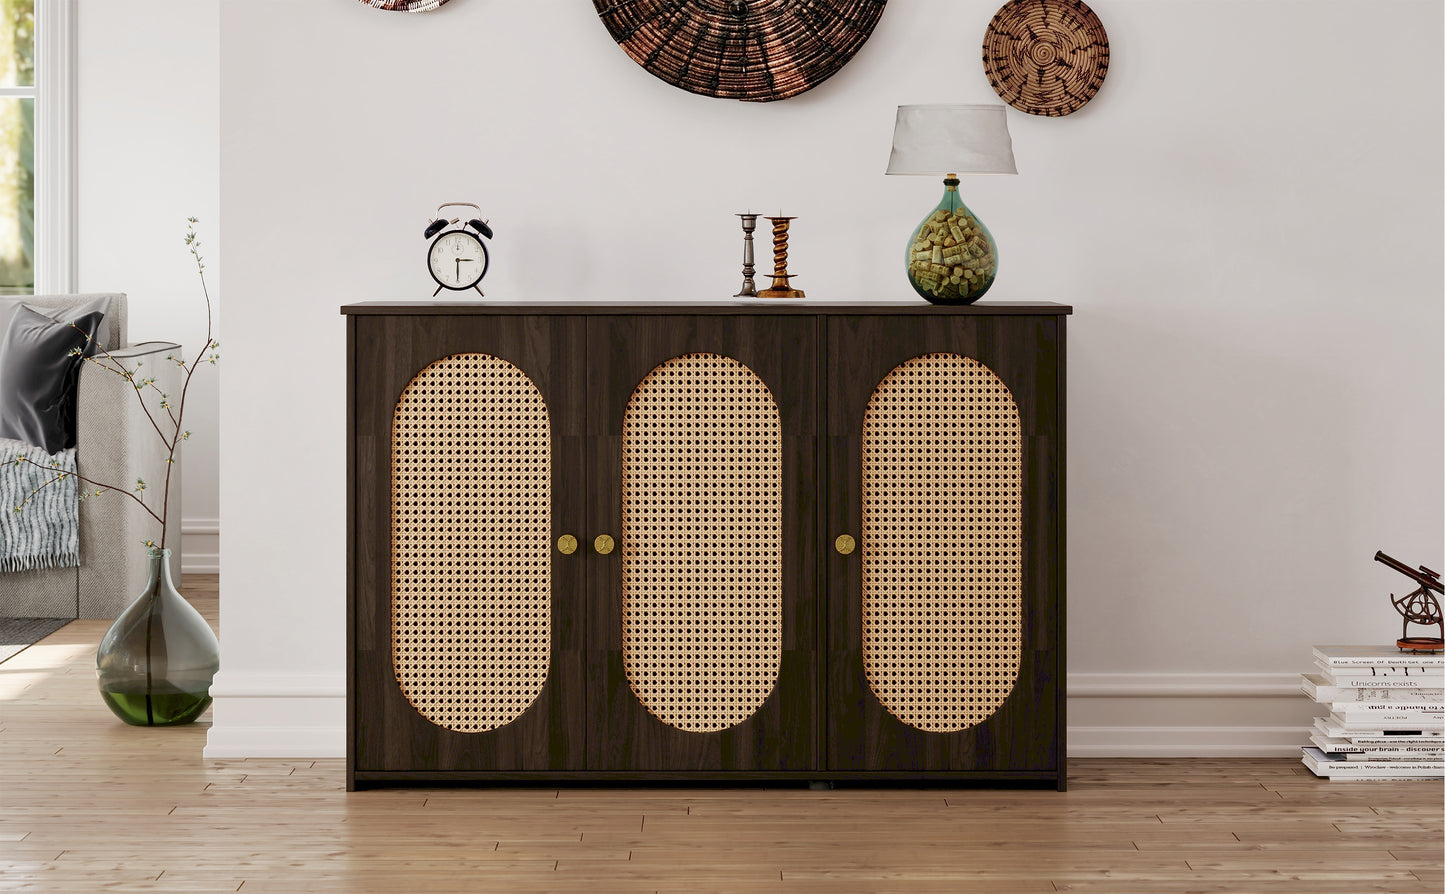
(780,287)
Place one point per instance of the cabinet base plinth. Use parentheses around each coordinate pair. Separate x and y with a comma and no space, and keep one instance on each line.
(366,779)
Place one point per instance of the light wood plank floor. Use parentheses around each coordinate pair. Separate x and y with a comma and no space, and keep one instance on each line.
(88,804)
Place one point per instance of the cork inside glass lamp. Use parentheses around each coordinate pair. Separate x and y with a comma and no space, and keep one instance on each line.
(951,257)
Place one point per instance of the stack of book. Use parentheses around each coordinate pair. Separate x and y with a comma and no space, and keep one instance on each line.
(1387,713)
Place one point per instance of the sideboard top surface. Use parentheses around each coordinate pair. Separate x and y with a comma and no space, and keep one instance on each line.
(780,308)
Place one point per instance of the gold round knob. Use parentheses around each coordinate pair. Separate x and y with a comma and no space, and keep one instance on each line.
(603,544)
(844,544)
(566,544)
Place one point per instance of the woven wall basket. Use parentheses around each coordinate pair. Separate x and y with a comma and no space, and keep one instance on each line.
(404,5)
(755,50)
(1046,57)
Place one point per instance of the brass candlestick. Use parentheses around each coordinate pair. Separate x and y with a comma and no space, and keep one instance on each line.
(779,288)
(750,288)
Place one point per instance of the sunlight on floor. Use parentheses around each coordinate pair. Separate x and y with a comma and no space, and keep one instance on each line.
(37,663)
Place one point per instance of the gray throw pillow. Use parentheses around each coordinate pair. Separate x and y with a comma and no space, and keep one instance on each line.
(40,372)
(66,314)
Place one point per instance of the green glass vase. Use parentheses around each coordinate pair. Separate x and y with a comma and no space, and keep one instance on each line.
(951,256)
(156,662)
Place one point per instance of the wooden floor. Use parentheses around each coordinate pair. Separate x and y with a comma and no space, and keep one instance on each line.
(88,804)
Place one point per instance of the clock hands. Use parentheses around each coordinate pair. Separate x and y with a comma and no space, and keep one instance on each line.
(459,265)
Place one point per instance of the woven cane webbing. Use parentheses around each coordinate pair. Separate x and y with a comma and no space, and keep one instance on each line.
(471,563)
(942,542)
(702,542)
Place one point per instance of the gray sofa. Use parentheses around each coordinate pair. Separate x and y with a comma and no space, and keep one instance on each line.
(115,444)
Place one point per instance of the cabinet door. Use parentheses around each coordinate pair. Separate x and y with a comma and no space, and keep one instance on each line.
(702,623)
(945,467)
(467,621)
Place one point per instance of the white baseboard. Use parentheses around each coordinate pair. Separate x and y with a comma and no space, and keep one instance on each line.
(1146,685)
(1110,715)
(274,715)
(289,742)
(1188,715)
(200,546)
(1187,741)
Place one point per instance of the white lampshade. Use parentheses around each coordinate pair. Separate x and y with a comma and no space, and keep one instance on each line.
(951,139)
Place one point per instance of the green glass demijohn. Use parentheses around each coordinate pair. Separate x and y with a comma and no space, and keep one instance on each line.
(156,662)
(951,256)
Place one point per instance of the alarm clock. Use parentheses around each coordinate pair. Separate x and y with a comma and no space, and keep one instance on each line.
(457,258)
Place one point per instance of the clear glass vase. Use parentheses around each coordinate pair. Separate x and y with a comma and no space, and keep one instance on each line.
(156,662)
(951,256)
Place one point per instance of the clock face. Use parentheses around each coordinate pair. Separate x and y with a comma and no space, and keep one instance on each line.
(458,260)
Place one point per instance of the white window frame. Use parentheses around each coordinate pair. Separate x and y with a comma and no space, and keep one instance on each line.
(54,151)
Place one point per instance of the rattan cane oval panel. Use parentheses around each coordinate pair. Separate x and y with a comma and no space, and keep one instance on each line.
(702,573)
(471,507)
(942,544)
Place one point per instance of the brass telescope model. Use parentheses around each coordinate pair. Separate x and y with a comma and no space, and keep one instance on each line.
(1420,606)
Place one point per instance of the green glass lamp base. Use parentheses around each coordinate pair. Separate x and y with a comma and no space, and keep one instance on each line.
(951,257)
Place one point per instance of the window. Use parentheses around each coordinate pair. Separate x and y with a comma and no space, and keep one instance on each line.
(36,241)
(17,146)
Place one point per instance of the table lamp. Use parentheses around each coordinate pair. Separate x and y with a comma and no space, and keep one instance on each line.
(951,257)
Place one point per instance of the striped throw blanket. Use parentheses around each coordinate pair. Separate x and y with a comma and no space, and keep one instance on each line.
(45,532)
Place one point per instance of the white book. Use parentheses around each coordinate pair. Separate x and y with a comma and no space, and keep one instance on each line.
(1321,765)
(1378,777)
(1386,724)
(1319,689)
(1341,745)
(1366,737)
(1387,714)
(1398,677)
(1376,656)
(1435,711)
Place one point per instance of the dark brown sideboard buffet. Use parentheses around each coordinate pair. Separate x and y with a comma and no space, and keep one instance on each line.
(723,541)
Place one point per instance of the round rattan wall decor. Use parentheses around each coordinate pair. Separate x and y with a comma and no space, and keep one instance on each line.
(754,50)
(1046,57)
(404,5)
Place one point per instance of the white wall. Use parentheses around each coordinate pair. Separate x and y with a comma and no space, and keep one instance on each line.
(148,141)
(1247,220)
